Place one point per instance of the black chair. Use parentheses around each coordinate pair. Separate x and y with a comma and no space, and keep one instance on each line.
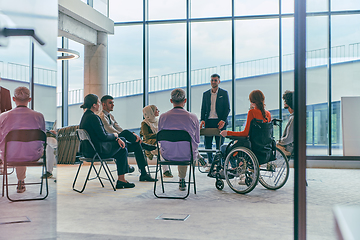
(174,136)
(84,137)
(25,135)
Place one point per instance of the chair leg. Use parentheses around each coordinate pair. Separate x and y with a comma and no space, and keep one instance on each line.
(193,168)
(161,179)
(87,177)
(97,173)
(107,172)
(3,183)
(156,173)
(27,199)
(76,176)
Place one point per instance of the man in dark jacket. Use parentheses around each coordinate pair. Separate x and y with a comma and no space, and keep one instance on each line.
(215,109)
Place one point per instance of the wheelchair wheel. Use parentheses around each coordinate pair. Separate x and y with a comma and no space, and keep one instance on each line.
(274,174)
(241,170)
(219,184)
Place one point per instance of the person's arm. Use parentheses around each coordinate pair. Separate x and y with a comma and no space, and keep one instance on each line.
(108,127)
(146,131)
(203,107)
(226,107)
(288,137)
(116,125)
(99,129)
(246,131)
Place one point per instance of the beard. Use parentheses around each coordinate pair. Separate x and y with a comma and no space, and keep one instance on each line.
(286,107)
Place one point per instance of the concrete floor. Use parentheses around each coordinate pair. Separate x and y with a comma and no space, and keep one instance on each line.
(101,213)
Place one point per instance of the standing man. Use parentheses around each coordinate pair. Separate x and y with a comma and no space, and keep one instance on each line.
(286,143)
(215,109)
(5,100)
(21,118)
(133,144)
(179,119)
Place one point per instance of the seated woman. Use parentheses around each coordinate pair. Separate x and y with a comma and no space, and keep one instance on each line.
(106,144)
(149,129)
(257,110)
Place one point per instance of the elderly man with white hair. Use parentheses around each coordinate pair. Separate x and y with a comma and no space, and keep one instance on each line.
(21,117)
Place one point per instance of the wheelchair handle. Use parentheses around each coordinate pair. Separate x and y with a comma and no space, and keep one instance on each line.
(276,121)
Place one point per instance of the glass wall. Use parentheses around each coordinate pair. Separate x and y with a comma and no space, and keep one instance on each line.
(257,65)
(167,62)
(210,53)
(317,78)
(125,74)
(257,49)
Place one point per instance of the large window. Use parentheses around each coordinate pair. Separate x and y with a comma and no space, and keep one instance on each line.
(211,53)
(259,46)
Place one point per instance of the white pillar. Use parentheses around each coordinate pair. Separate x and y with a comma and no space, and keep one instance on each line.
(96,67)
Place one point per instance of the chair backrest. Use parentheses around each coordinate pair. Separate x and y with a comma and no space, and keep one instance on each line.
(174,136)
(84,137)
(25,135)
(262,140)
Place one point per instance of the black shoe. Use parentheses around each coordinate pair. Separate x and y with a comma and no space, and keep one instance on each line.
(148,147)
(146,178)
(131,169)
(120,184)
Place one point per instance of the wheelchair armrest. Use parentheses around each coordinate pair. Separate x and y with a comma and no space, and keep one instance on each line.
(236,138)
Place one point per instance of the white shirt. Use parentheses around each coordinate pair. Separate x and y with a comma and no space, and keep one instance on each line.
(213,114)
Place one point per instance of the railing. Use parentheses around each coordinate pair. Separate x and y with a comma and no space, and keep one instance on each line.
(20,72)
(251,68)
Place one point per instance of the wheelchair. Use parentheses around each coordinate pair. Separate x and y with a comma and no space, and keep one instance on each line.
(249,160)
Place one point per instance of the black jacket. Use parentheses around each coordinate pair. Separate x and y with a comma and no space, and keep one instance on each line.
(104,142)
(222,105)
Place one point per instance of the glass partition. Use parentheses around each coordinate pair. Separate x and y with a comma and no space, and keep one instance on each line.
(257,65)
(165,9)
(256,7)
(125,71)
(210,8)
(126,11)
(317,85)
(210,53)
(167,62)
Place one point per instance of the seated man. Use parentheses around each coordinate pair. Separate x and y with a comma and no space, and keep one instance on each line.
(133,144)
(21,118)
(179,119)
(286,143)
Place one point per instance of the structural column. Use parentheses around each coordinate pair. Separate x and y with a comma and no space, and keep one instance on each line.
(96,66)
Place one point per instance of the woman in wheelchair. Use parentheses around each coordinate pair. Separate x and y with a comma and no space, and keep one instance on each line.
(257,110)
(251,156)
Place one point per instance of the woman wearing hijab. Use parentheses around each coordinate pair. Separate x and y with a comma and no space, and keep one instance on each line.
(149,129)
